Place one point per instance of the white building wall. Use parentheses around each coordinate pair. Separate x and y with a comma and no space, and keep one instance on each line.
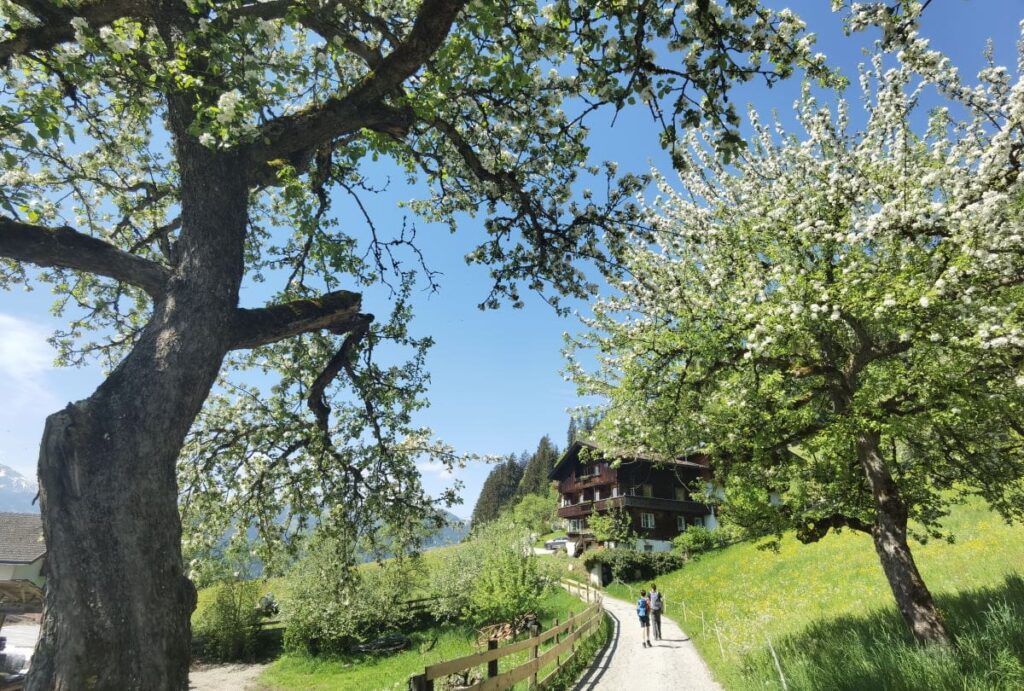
(23,572)
(655,545)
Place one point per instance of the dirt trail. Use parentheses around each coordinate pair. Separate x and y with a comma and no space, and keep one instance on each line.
(673,663)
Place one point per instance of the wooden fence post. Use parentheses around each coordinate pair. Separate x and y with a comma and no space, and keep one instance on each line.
(420,682)
(534,651)
(572,629)
(492,665)
(555,625)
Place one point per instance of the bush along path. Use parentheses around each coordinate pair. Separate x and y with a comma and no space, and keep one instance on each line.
(671,663)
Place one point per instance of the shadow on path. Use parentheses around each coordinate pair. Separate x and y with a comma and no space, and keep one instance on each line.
(592,677)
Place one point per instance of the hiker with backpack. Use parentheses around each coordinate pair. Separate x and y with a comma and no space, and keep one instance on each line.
(657,607)
(643,608)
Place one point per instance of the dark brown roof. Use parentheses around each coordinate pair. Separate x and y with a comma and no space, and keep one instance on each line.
(21,538)
(573,452)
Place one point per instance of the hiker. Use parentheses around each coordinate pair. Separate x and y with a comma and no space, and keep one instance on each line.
(643,607)
(657,607)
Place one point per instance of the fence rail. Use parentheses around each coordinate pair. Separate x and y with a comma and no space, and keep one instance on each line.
(565,635)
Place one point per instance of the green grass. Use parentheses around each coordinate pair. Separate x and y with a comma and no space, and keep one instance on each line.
(829,614)
(369,673)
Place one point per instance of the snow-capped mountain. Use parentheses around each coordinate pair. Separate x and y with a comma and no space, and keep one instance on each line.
(16,491)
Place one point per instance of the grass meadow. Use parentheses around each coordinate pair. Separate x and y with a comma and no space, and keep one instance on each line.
(827,612)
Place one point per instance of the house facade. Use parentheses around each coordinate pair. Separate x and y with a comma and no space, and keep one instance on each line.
(655,495)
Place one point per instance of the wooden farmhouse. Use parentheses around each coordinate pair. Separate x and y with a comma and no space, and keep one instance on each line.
(655,495)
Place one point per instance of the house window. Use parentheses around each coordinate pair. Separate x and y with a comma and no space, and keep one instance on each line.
(681,522)
(648,490)
(615,491)
(682,494)
(647,520)
(597,494)
(697,520)
(576,525)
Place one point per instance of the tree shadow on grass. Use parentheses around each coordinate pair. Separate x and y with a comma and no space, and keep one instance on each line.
(876,651)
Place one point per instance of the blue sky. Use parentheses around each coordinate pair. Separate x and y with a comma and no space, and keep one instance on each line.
(496,382)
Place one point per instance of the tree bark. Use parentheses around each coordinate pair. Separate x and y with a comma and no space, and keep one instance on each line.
(117,604)
(889,533)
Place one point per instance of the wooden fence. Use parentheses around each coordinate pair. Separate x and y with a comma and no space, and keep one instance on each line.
(584,591)
(565,635)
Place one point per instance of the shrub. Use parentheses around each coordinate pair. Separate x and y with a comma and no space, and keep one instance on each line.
(334,606)
(452,581)
(509,584)
(229,627)
(493,577)
(695,540)
(698,539)
(630,565)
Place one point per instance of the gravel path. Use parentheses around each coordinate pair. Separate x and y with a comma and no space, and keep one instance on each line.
(231,677)
(673,663)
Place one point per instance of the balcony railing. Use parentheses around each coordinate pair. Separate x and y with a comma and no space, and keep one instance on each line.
(585,508)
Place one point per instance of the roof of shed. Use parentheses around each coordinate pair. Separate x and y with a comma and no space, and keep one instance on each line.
(21,538)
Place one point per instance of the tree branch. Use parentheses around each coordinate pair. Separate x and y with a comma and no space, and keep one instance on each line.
(337,312)
(379,118)
(363,106)
(341,360)
(67,248)
(814,530)
(55,27)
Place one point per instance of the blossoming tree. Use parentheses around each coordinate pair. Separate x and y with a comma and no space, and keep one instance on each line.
(159,155)
(837,320)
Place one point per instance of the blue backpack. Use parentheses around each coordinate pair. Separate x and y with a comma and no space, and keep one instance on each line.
(641,607)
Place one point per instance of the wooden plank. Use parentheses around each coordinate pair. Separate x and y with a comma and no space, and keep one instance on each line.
(506,680)
(443,669)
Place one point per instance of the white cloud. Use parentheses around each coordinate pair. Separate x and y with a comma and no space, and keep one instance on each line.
(26,361)
(24,353)
(435,468)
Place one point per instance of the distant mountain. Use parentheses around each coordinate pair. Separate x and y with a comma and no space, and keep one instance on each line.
(16,491)
(454,530)
(450,534)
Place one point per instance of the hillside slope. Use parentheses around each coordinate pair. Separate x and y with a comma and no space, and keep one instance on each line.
(829,613)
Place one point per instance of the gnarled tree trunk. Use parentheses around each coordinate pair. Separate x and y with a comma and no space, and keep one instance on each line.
(889,533)
(117,602)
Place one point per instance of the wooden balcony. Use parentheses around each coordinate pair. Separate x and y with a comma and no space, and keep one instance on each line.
(659,504)
(586,508)
(574,485)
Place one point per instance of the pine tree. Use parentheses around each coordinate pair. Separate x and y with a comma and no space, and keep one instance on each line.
(498,492)
(573,432)
(535,475)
